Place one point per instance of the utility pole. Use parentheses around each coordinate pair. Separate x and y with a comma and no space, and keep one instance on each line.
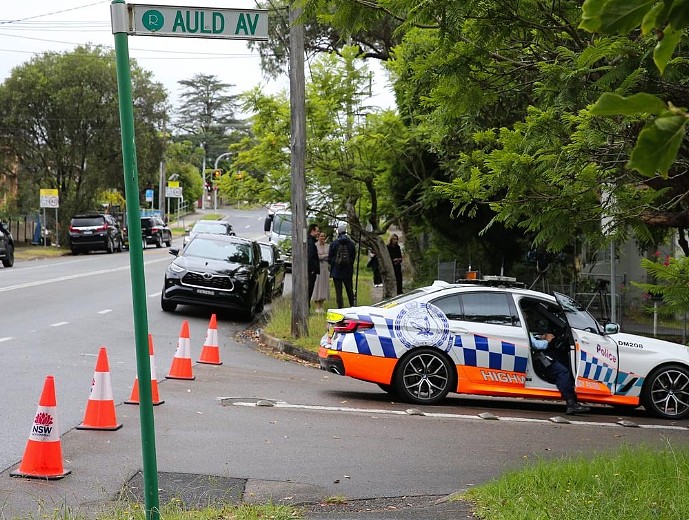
(298,152)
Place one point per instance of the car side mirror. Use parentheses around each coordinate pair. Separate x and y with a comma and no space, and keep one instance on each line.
(267,223)
(173,251)
(612,328)
(263,263)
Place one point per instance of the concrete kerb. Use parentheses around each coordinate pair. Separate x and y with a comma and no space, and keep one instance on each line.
(287,348)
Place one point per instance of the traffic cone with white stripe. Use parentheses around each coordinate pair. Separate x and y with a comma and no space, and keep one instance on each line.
(181,363)
(43,454)
(100,409)
(134,399)
(210,353)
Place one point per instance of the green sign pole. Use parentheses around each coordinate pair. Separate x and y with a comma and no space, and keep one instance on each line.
(136,259)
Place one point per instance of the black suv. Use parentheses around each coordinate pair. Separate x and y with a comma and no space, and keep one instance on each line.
(94,232)
(6,246)
(155,231)
(218,271)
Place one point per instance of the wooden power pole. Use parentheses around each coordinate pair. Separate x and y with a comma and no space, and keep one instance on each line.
(300,295)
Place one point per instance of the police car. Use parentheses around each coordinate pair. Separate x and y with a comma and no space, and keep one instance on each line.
(474,339)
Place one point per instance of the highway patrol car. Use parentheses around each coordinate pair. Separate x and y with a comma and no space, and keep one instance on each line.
(473,339)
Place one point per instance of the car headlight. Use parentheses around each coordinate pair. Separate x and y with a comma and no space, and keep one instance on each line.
(175,268)
(242,273)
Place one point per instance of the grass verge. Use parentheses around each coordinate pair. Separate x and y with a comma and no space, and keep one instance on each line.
(173,511)
(630,483)
(279,321)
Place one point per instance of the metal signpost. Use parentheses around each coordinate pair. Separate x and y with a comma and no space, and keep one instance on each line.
(156,20)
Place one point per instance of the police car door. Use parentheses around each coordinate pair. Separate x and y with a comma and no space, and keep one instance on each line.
(596,359)
(488,343)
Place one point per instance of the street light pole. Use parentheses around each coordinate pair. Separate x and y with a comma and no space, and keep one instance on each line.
(203,177)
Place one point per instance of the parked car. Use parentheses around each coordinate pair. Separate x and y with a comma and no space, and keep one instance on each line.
(474,339)
(276,270)
(217,227)
(217,271)
(94,232)
(6,246)
(155,231)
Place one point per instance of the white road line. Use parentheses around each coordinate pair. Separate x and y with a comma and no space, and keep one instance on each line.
(59,324)
(75,276)
(7,338)
(105,311)
(281,404)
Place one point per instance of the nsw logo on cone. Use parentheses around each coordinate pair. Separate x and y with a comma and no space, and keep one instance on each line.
(210,353)
(43,454)
(100,409)
(181,363)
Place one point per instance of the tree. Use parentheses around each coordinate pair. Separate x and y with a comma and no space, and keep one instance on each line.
(662,136)
(350,149)
(373,31)
(60,127)
(207,112)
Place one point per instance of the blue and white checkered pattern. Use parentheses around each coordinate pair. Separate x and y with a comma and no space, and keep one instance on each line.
(597,369)
(378,341)
(489,352)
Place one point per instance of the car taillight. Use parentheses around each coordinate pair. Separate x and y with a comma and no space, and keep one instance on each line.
(72,229)
(102,228)
(351,325)
(154,230)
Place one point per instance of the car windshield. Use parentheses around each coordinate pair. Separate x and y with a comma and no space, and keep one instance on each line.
(282,224)
(208,226)
(577,317)
(401,298)
(87,221)
(219,250)
(267,253)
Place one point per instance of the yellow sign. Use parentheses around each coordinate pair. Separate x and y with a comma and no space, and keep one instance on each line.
(173,184)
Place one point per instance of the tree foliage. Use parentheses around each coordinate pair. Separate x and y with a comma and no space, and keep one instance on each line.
(60,127)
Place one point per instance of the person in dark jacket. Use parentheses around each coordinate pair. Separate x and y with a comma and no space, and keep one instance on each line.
(396,256)
(342,265)
(313,264)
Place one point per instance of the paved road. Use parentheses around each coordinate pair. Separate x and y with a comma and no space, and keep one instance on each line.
(261,428)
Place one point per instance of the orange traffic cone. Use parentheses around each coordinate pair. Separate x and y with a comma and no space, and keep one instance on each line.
(210,353)
(100,409)
(43,453)
(181,363)
(134,399)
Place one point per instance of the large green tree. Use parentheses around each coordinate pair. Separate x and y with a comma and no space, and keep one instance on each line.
(350,151)
(60,127)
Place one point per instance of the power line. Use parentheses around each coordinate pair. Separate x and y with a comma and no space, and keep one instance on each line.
(4,22)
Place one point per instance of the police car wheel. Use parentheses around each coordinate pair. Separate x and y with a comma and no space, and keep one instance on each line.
(424,376)
(666,392)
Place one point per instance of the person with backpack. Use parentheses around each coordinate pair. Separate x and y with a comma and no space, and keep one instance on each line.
(341,258)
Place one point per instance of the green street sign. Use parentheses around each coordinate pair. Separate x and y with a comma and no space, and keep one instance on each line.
(197,22)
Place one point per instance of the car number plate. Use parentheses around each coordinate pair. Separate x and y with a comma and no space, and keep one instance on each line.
(207,292)
(88,232)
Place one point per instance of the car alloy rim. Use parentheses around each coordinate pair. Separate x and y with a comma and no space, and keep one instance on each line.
(425,376)
(670,392)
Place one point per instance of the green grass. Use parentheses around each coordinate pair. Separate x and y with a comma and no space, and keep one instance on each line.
(628,484)
(279,323)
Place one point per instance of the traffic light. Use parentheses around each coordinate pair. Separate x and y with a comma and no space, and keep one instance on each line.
(217,174)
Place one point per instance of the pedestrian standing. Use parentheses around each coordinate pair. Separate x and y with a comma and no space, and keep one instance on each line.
(341,258)
(321,291)
(395,252)
(313,264)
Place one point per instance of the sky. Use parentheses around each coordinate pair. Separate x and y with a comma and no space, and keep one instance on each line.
(30,27)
